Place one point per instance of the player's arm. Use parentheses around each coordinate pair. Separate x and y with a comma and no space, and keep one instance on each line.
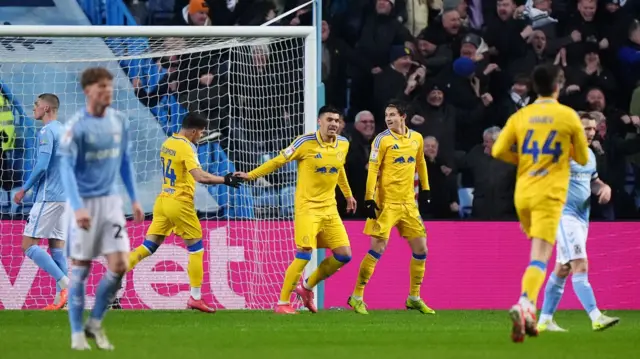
(69,154)
(292,153)
(421,166)
(506,146)
(192,165)
(343,183)
(378,151)
(579,141)
(45,148)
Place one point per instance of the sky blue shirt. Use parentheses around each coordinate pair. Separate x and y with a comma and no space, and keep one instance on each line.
(579,195)
(94,151)
(45,178)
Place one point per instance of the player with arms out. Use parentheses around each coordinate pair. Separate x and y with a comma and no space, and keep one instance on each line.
(571,254)
(174,210)
(396,154)
(94,150)
(539,139)
(317,224)
(47,216)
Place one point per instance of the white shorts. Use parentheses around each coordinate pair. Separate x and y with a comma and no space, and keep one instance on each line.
(571,239)
(47,220)
(107,233)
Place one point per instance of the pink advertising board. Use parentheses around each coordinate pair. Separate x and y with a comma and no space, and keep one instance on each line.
(471,265)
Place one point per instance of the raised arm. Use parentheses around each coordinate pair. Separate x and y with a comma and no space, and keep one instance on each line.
(506,146)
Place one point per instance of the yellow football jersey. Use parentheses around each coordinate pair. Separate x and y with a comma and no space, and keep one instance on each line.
(320,168)
(540,139)
(178,156)
(394,159)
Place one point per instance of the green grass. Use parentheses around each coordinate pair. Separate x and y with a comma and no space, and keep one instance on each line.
(326,335)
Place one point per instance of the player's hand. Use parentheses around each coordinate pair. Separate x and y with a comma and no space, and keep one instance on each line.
(371,207)
(454,207)
(232,180)
(351,205)
(19,196)
(138,213)
(603,44)
(83,219)
(576,36)
(242,175)
(604,194)
(426,195)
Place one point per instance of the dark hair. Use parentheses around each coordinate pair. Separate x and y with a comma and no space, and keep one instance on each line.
(587,116)
(51,99)
(522,79)
(398,105)
(194,121)
(546,79)
(93,75)
(328,109)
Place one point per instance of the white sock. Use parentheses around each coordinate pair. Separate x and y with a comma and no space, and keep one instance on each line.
(306,285)
(195,293)
(64,282)
(545,318)
(280,302)
(526,304)
(595,314)
(93,322)
(414,298)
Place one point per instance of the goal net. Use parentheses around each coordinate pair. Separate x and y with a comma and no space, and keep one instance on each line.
(256,86)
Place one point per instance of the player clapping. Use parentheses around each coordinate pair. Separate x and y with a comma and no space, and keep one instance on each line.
(47,217)
(389,199)
(174,209)
(320,156)
(94,150)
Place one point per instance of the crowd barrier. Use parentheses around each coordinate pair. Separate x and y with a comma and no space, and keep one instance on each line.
(470,265)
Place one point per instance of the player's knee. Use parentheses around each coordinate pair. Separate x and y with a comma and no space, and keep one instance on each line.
(579,266)
(28,243)
(56,243)
(118,268)
(562,270)
(378,245)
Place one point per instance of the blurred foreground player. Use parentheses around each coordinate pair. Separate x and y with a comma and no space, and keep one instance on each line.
(539,139)
(317,224)
(94,150)
(174,209)
(571,248)
(47,218)
(396,154)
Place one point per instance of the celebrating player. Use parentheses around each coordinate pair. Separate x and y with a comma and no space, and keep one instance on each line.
(539,139)
(47,217)
(320,156)
(174,210)
(395,155)
(571,254)
(94,150)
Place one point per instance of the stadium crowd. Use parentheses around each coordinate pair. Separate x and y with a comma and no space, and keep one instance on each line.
(462,65)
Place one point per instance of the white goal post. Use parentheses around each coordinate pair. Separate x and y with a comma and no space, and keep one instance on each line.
(256,85)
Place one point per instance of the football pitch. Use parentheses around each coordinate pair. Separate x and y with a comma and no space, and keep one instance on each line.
(329,334)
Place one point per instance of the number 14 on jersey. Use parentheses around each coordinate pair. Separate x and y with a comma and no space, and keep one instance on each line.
(551,148)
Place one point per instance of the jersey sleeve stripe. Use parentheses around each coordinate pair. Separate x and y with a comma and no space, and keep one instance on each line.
(297,143)
(378,140)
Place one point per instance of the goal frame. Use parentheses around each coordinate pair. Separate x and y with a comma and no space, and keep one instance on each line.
(308,33)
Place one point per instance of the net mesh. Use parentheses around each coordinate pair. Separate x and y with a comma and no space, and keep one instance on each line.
(252,92)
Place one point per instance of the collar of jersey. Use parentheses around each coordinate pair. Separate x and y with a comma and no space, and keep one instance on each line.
(326,144)
(546,100)
(396,135)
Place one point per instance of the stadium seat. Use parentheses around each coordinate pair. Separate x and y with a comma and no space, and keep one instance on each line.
(466,201)
(160,12)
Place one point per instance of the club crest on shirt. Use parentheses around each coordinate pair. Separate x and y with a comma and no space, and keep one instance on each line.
(414,145)
(374,155)
(117,137)
(288,151)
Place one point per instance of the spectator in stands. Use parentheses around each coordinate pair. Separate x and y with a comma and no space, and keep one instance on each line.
(493,180)
(447,31)
(357,162)
(195,13)
(507,35)
(9,176)
(629,57)
(590,74)
(517,98)
(536,54)
(584,27)
(444,193)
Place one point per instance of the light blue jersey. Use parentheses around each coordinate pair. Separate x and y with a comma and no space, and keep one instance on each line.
(579,195)
(45,178)
(94,151)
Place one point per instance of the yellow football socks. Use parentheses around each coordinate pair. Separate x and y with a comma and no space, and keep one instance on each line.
(292,275)
(141,252)
(416,270)
(367,266)
(326,269)
(195,266)
(532,280)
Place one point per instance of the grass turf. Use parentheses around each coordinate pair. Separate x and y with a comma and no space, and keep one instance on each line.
(326,335)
